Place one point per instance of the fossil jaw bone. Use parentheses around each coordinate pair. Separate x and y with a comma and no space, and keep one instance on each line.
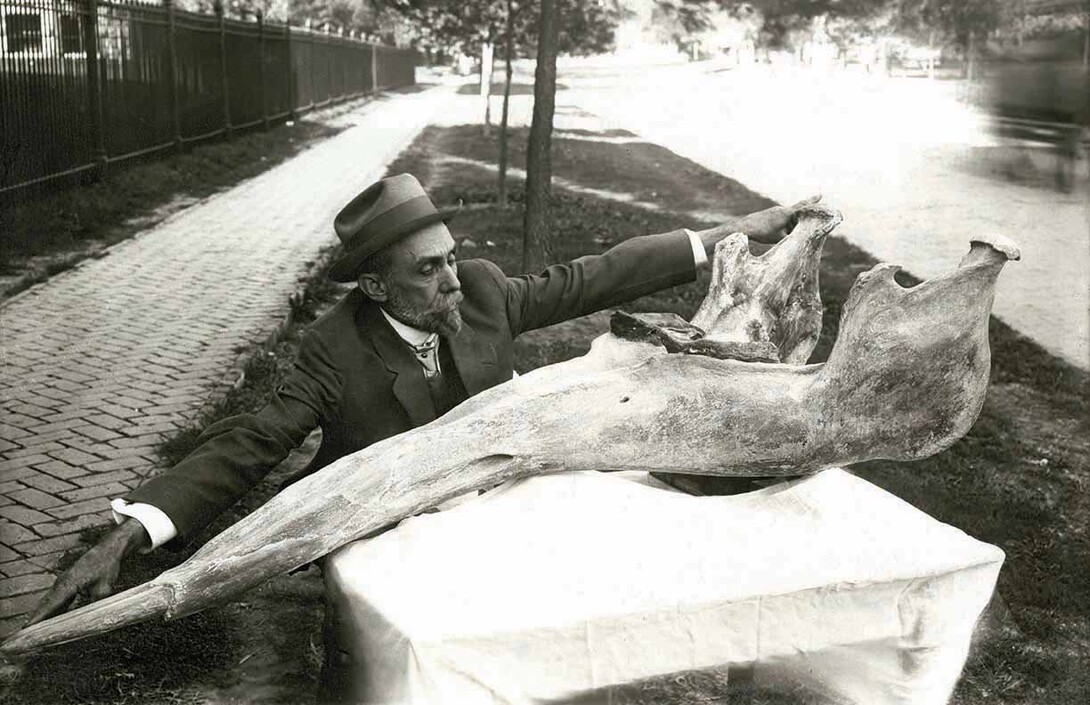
(905,379)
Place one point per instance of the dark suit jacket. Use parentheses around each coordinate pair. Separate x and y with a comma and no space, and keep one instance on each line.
(356,379)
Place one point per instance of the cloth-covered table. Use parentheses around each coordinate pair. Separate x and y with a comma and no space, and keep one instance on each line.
(551,587)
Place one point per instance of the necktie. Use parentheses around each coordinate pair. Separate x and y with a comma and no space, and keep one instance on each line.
(427,355)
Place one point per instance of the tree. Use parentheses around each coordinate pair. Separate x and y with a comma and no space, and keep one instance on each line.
(466,26)
(588,26)
(1022,20)
(508,56)
(536,237)
(780,18)
(965,23)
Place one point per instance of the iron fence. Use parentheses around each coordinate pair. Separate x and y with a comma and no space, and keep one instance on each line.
(87,83)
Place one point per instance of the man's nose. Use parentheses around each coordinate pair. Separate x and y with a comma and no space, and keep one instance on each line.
(449,282)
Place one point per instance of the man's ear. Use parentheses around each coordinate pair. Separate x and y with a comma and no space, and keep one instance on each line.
(373,286)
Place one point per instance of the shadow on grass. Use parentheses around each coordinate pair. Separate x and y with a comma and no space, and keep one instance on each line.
(595,134)
(598,160)
(497,89)
(713,685)
(1033,166)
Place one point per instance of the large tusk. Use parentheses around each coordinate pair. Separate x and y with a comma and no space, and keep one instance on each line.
(906,378)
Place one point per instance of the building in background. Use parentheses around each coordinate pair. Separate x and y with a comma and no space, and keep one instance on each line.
(39,29)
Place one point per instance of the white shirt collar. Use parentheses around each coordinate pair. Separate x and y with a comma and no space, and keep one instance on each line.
(412,336)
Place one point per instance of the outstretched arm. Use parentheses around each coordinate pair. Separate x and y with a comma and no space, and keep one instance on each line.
(632,269)
(234,455)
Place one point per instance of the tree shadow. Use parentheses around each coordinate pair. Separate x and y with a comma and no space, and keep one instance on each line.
(497,89)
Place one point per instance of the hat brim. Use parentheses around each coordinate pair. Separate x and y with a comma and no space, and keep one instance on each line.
(346,269)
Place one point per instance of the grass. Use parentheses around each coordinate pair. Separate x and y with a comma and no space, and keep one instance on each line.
(1018,479)
(517,88)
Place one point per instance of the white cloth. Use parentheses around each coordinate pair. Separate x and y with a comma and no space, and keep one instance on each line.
(549,587)
(160,527)
(700,255)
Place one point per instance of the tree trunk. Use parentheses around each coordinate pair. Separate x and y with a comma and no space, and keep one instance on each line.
(930,54)
(509,44)
(970,57)
(1086,36)
(486,83)
(536,234)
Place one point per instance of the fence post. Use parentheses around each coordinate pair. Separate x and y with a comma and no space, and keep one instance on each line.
(313,61)
(172,76)
(1086,36)
(325,64)
(291,70)
(374,68)
(94,89)
(261,68)
(223,67)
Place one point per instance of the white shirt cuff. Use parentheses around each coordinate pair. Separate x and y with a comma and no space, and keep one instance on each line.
(154,520)
(700,256)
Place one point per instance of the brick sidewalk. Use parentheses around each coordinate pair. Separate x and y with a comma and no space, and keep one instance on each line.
(102,363)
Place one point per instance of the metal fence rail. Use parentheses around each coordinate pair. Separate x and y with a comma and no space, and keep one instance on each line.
(87,83)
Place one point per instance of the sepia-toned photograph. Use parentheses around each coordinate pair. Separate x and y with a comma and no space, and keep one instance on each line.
(567,352)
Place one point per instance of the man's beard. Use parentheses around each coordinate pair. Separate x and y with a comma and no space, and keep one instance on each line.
(441,316)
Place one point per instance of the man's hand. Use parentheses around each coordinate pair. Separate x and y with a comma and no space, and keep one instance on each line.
(769,226)
(94,574)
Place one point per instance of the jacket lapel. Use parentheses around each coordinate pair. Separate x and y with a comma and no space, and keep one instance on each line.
(408,385)
(475,358)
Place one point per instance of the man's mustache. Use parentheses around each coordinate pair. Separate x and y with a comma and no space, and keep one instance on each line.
(448,302)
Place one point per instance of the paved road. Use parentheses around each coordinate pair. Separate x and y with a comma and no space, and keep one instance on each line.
(103,362)
(900,158)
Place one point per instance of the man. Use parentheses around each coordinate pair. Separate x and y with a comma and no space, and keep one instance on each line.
(419,335)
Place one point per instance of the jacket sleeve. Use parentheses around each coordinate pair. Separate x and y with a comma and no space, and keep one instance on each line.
(236,453)
(634,268)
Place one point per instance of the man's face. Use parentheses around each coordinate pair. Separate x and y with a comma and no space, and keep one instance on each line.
(421,283)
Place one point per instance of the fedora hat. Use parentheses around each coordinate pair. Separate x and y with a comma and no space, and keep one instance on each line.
(385,212)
